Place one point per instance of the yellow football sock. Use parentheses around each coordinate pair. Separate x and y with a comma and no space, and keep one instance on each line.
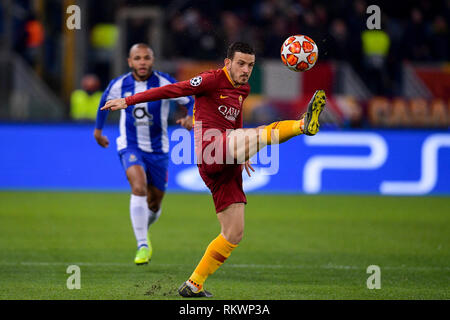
(282,131)
(215,255)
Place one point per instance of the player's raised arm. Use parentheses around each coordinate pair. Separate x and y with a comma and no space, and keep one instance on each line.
(190,87)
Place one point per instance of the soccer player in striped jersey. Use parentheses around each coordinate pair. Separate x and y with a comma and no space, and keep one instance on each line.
(143,144)
(219,135)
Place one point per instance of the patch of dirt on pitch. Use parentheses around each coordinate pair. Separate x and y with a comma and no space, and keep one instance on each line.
(171,292)
(157,289)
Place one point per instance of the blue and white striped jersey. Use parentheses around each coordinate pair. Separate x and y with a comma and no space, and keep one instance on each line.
(144,125)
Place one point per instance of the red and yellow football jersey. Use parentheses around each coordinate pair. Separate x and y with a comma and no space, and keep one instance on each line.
(218,101)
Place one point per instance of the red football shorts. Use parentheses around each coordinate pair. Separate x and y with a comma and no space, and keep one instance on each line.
(223,180)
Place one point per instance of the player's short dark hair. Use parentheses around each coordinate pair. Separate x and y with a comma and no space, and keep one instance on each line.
(239,47)
(139,45)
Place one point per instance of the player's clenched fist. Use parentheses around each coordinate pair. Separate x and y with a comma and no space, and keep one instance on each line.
(101,139)
(115,104)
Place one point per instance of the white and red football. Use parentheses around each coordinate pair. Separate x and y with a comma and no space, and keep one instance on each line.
(299,53)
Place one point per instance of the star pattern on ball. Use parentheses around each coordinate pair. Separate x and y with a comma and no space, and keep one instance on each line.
(302,56)
(286,51)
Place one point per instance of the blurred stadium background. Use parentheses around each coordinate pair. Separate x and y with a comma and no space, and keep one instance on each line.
(389,79)
(385,128)
(392,83)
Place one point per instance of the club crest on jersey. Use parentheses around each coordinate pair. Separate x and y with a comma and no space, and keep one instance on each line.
(196,81)
(240,100)
(229,113)
(132,158)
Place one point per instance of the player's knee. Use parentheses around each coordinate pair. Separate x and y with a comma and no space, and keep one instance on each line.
(139,190)
(235,236)
(238,237)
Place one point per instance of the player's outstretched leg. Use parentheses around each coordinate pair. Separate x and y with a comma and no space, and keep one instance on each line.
(281,131)
(245,143)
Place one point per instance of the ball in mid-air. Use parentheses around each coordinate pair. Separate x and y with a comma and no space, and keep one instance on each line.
(299,53)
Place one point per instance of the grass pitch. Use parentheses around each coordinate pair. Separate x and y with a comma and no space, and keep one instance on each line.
(294,247)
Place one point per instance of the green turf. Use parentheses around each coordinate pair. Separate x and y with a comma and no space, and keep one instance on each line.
(294,247)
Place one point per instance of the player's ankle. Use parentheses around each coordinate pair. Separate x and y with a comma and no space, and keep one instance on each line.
(140,245)
(195,287)
(301,123)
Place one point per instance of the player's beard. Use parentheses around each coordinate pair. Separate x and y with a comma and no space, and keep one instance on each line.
(240,82)
(141,76)
(245,79)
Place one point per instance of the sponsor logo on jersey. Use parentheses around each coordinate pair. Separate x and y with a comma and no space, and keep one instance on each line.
(229,113)
(143,118)
(196,81)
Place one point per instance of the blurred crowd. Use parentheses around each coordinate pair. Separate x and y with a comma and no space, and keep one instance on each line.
(416,31)
(418,28)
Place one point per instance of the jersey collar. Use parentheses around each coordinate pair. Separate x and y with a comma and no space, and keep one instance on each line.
(229,78)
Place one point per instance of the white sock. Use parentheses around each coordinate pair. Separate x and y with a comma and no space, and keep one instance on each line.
(153,216)
(139,218)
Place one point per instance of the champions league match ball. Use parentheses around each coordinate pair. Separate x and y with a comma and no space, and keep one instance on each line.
(299,53)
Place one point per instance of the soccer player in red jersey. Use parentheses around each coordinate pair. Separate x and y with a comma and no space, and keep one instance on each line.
(224,148)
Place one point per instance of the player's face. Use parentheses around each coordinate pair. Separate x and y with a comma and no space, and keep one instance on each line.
(240,67)
(141,62)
